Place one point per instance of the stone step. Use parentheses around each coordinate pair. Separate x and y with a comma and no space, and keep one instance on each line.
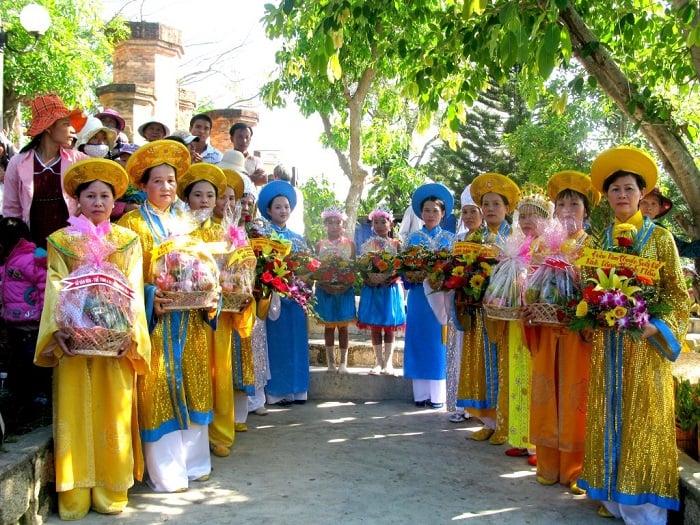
(358,385)
(360,353)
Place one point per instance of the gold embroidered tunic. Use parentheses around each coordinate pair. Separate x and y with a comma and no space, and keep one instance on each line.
(630,454)
(178,389)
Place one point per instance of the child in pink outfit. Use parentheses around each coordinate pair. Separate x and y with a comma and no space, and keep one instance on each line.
(23,274)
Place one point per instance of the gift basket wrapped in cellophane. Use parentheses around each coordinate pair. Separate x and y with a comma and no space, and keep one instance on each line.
(184,269)
(555,282)
(502,299)
(95,303)
(236,266)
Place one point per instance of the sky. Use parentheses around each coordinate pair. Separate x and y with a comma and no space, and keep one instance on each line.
(210,27)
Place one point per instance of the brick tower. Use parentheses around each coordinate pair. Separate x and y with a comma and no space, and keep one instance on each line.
(144,79)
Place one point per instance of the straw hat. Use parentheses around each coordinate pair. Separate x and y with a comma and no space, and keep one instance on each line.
(121,124)
(624,158)
(156,153)
(92,127)
(153,120)
(234,160)
(47,109)
(573,180)
(202,171)
(89,170)
(275,189)
(432,189)
(665,204)
(495,183)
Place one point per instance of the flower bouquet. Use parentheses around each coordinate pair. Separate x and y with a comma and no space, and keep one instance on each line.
(94,305)
(439,267)
(502,299)
(186,272)
(335,275)
(378,268)
(614,302)
(303,264)
(414,263)
(551,289)
(272,274)
(469,276)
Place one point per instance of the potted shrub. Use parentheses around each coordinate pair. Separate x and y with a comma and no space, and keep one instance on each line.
(687,415)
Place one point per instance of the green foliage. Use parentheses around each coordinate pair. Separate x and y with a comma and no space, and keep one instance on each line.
(554,138)
(318,195)
(71,59)
(440,54)
(392,185)
(500,109)
(687,403)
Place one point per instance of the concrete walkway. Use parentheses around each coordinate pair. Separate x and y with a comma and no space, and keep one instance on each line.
(330,462)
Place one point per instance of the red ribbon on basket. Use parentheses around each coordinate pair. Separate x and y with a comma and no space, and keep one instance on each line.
(557,262)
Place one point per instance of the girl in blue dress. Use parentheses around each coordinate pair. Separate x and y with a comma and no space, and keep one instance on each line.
(425,355)
(335,310)
(287,335)
(381,307)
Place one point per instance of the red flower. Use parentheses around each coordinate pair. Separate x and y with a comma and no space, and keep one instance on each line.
(625,272)
(591,295)
(624,242)
(279,285)
(455,282)
(644,280)
(313,265)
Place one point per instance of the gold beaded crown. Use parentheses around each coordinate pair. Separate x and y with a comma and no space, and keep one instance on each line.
(533,195)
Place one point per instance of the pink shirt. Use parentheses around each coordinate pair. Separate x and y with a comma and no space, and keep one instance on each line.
(19,183)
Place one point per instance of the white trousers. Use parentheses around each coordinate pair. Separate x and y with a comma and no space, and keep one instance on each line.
(646,514)
(240,406)
(256,401)
(433,390)
(178,457)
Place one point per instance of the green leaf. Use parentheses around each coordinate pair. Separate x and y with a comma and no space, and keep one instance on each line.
(508,49)
(545,62)
(288,6)
(552,37)
(577,85)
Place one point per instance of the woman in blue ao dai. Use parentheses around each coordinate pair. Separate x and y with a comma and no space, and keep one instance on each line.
(425,354)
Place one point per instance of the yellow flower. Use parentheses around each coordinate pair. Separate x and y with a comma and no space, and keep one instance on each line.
(458,271)
(610,317)
(625,227)
(620,311)
(476,282)
(582,309)
(486,267)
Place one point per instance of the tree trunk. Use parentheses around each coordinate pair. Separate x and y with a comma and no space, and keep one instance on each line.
(669,146)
